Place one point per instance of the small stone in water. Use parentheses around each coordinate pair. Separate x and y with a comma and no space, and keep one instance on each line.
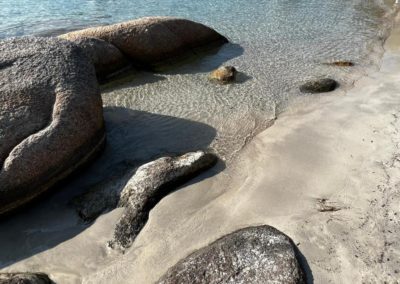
(319,86)
(340,63)
(224,74)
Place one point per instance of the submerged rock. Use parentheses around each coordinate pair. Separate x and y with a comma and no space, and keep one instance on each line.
(140,191)
(252,255)
(223,75)
(340,63)
(150,41)
(107,59)
(51,116)
(24,278)
(319,86)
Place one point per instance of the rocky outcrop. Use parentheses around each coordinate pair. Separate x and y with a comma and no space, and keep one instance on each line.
(51,117)
(24,278)
(251,255)
(151,41)
(223,75)
(139,191)
(319,86)
(107,59)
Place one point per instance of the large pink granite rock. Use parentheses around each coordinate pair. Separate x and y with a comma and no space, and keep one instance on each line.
(150,41)
(51,116)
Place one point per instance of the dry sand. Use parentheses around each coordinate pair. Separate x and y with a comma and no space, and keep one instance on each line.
(327,174)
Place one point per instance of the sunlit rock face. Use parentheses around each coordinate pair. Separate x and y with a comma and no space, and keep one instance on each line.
(250,255)
(25,278)
(51,116)
(153,40)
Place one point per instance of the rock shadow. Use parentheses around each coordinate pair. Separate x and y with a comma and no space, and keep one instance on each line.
(305,266)
(205,61)
(242,78)
(129,79)
(134,137)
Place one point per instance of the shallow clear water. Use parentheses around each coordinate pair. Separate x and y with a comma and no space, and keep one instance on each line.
(275,44)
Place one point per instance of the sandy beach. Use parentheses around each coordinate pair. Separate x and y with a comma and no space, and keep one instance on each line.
(327,174)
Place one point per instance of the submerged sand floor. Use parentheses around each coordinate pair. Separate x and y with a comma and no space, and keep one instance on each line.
(327,174)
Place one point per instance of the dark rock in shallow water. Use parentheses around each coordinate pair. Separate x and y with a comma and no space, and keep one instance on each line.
(24,278)
(223,75)
(107,59)
(140,191)
(51,116)
(251,255)
(340,63)
(150,41)
(319,86)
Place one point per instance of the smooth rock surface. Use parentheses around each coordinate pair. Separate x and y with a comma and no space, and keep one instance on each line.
(152,40)
(223,75)
(319,86)
(24,278)
(251,255)
(51,116)
(106,58)
(139,191)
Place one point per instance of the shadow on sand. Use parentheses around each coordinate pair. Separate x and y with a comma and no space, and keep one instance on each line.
(304,264)
(203,62)
(134,137)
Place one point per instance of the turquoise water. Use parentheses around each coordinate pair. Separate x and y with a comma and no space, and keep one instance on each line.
(286,18)
(275,44)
